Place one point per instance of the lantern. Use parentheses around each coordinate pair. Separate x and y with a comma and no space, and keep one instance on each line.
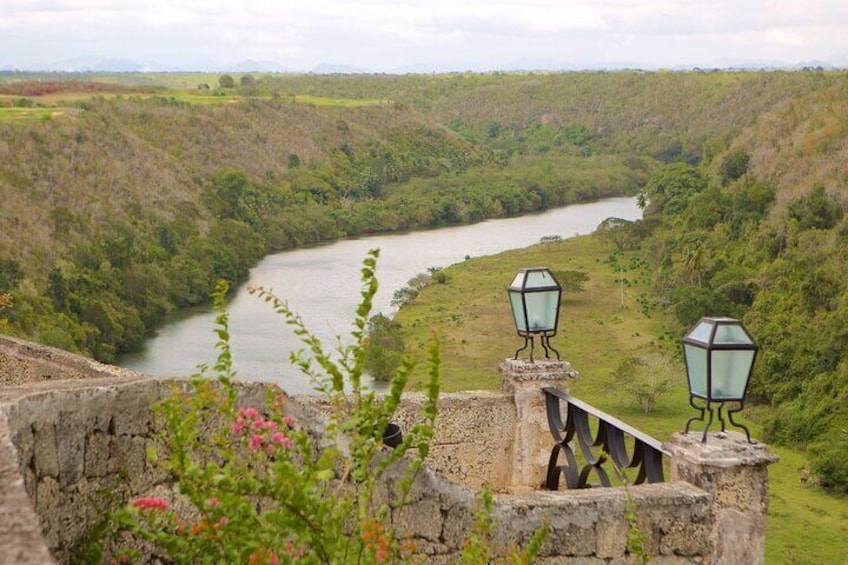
(719,355)
(534,296)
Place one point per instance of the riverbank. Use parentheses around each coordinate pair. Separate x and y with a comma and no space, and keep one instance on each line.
(609,321)
(322,284)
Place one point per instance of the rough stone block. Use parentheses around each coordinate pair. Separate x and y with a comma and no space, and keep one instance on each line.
(130,459)
(458,520)
(580,540)
(45,454)
(70,447)
(422,519)
(611,536)
(98,455)
(131,411)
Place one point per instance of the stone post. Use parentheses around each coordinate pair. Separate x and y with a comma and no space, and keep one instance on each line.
(532,442)
(735,474)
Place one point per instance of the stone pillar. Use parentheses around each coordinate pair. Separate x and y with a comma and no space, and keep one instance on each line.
(532,442)
(735,474)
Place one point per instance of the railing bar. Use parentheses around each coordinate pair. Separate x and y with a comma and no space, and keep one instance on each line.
(644,438)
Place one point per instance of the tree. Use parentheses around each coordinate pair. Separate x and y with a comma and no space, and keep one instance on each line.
(734,165)
(384,347)
(622,233)
(816,210)
(226,81)
(670,189)
(571,281)
(645,379)
(11,274)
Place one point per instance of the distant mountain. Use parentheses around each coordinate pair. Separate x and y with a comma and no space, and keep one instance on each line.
(251,66)
(100,64)
(87,64)
(105,64)
(335,69)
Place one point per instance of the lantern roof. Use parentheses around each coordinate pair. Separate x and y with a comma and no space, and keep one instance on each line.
(720,333)
(533,280)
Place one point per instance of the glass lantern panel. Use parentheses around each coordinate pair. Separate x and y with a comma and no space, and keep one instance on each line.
(517,282)
(731,334)
(517,311)
(701,332)
(696,369)
(542,310)
(730,370)
(539,279)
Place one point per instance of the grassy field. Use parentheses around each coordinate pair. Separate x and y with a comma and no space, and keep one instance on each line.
(52,105)
(27,115)
(599,327)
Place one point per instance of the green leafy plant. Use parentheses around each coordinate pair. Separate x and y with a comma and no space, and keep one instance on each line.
(254,486)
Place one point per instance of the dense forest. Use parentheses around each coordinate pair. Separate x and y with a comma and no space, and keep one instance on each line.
(122,204)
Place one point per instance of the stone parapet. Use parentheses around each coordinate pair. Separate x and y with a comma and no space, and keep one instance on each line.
(735,474)
(524,380)
(64,444)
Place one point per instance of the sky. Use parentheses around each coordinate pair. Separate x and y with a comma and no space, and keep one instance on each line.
(421,35)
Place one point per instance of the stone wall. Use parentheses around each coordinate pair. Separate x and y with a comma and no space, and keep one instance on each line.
(473,443)
(72,446)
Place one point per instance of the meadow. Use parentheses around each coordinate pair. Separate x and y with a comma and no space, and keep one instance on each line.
(610,320)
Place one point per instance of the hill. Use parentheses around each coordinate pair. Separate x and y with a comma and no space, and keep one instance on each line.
(125,196)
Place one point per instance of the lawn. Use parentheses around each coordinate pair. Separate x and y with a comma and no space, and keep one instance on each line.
(609,321)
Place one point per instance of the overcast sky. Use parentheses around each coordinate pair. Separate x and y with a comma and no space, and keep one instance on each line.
(425,35)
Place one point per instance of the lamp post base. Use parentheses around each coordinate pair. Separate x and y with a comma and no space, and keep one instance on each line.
(708,407)
(544,340)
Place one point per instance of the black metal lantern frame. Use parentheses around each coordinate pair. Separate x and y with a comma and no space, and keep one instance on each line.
(535,297)
(720,355)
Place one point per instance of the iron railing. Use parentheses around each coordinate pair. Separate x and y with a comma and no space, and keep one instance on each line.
(608,443)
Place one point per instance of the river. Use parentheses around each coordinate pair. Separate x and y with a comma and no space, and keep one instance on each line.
(322,284)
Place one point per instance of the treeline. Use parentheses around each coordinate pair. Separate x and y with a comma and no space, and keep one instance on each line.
(723,242)
(121,256)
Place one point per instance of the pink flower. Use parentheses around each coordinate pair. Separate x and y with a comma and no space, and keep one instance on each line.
(237,428)
(150,503)
(212,502)
(255,441)
(289,421)
(223,521)
(249,412)
(281,439)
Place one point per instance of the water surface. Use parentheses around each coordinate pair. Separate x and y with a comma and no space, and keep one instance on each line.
(322,284)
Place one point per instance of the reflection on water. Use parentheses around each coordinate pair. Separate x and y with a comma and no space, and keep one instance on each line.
(322,284)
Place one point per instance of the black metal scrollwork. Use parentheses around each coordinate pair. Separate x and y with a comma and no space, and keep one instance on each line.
(610,441)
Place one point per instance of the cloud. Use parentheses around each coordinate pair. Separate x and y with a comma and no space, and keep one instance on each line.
(380,33)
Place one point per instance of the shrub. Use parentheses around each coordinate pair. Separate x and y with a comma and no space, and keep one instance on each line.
(645,380)
(256,487)
(830,463)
